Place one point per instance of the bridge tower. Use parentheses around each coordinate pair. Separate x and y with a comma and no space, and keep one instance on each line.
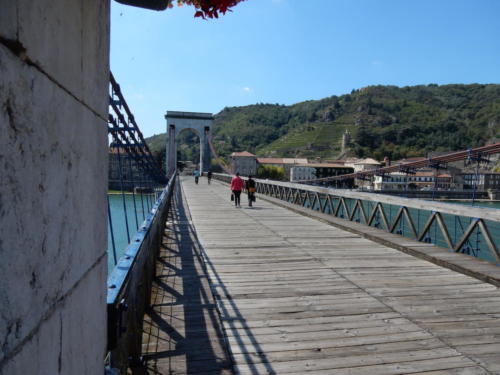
(201,123)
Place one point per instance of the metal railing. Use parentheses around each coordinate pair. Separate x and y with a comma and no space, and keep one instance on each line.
(129,284)
(137,211)
(470,230)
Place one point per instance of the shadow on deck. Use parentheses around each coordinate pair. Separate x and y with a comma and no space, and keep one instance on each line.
(182,331)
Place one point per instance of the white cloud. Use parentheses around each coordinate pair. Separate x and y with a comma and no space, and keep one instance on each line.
(377,62)
(247,89)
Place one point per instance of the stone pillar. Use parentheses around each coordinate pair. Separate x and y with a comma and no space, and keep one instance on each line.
(54,76)
(202,150)
(171,150)
(206,155)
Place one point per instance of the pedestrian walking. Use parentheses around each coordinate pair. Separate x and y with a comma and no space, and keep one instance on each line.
(237,184)
(209,176)
(196,176)
(250,186)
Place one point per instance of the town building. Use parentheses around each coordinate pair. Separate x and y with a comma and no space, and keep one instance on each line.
(244,163)
(310,171)
(285,163)
(421,180)
(444,181)
(302,173)
(361,165)
(391,181)
(367,164)
(483,181)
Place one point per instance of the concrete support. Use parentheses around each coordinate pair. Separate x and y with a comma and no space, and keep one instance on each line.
(206,157)
(171,150)
(54,76)
(201,123)
(201,138)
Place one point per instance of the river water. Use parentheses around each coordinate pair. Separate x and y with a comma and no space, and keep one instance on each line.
(141,207)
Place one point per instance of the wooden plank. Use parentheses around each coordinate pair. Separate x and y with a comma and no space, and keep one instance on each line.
(298,296)
(416,359)
(339,352)
(182,332)
(437,364)
(285,329)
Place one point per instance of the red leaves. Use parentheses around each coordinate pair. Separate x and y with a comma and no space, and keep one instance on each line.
(209,8)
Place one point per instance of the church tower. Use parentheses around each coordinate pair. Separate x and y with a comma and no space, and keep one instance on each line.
(346,139)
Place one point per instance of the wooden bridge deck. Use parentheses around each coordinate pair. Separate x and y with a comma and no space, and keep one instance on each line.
(298,296)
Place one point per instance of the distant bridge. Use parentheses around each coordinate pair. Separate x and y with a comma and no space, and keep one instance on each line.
(309,281)
(477,156)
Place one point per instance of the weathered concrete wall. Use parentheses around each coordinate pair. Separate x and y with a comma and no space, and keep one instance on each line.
(53,179)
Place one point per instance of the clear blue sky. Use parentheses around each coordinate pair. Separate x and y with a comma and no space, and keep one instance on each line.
(287,51)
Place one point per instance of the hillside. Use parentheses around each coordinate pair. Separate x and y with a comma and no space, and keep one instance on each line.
(383,120)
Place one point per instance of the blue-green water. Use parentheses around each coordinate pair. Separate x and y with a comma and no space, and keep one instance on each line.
(476,244)
(119,223)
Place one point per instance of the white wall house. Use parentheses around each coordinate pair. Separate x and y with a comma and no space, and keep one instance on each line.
(418,181)
(393,181)
(365,165)
(301,173)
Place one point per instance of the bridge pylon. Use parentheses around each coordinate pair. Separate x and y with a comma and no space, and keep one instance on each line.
(201,123)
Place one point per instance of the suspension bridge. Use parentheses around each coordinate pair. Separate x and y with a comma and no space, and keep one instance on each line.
(311,280)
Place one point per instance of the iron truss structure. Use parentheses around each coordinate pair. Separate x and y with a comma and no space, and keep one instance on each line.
(469,230)
(471,156)
(127,137)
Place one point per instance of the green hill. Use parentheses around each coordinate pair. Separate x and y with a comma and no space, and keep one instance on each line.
(383,120)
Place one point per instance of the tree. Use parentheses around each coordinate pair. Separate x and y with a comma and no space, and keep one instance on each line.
(364,137)
(271,171)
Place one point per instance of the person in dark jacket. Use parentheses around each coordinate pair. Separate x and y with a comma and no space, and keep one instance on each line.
(250,186)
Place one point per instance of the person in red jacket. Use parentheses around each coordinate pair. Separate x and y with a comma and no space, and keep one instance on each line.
(237,185)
